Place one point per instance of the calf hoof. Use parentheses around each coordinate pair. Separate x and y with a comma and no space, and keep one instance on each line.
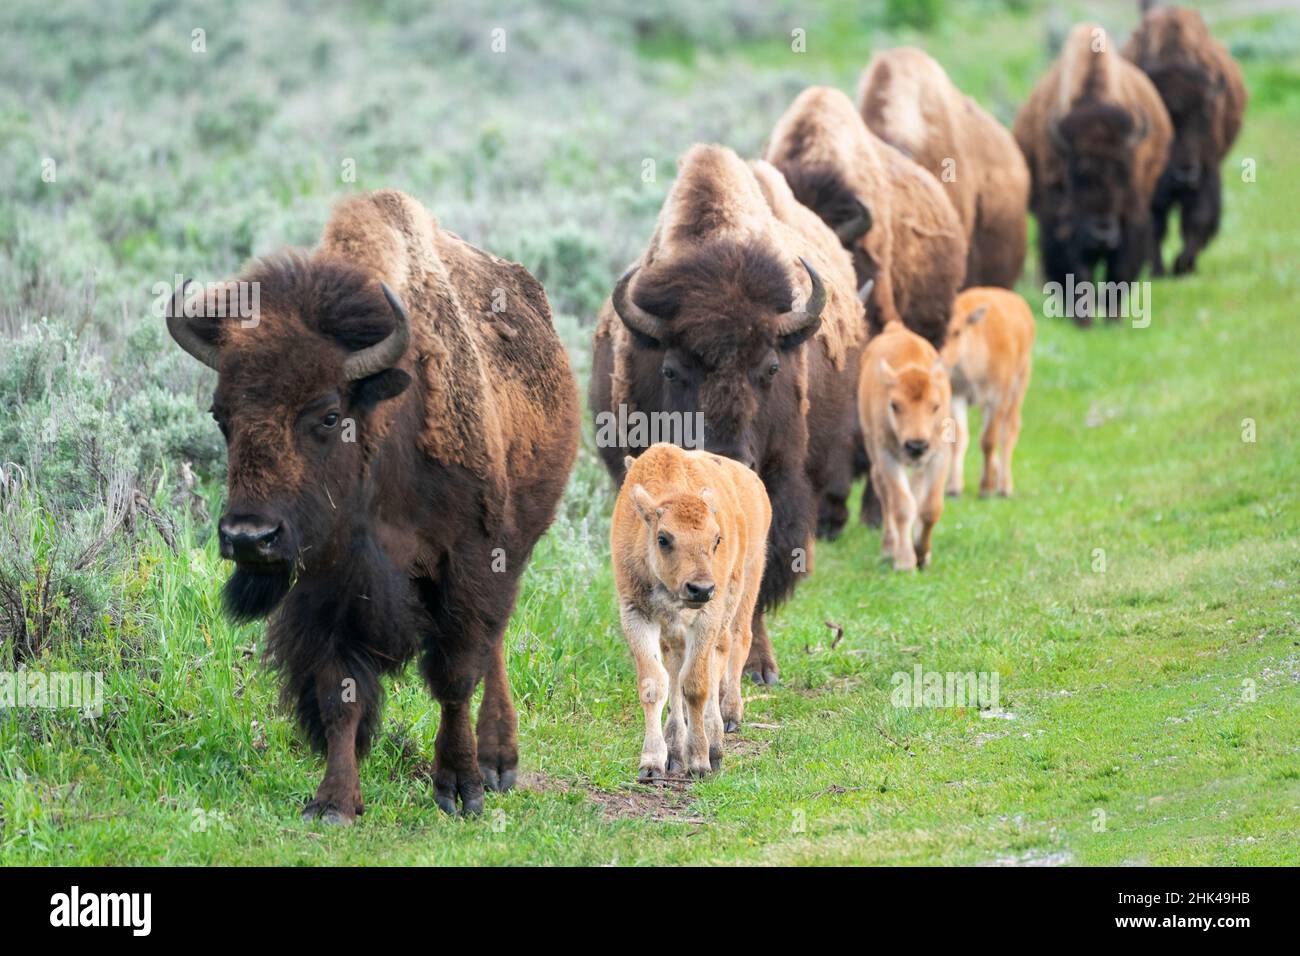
(450,786)
(715,759)
(953,492)
(498,779)
(731,726)
(648,773)
(329,813)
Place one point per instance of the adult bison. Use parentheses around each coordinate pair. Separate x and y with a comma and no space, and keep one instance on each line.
(743,310)
(400,419)
(906,99)
(1202,88)
(888,212)
(1096,138)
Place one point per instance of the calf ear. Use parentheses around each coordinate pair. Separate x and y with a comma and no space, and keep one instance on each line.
(373,389)
(710,499)
(887,374)
(627,462)
(977,315)
(644,504)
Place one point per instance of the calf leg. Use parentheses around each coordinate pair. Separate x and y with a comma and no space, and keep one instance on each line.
(498,742)
(698,682)
(957,472)
(675,733)
(992,414)
(930,507)
(1007,445)
(900,513)
(652,687)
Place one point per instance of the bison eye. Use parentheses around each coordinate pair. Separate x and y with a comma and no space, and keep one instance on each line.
(664,543)
(669,373)
(330,420)
(773,369)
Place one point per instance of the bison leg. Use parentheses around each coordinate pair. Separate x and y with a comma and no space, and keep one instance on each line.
(456,774)
(1161,206)
(338,798)
(1200,221)
(498,743)
(761,662)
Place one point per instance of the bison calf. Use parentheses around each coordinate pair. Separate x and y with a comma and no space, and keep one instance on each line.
(903,402)
(987,353)
(689,544)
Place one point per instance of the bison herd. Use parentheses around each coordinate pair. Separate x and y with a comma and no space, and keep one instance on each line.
(401,418)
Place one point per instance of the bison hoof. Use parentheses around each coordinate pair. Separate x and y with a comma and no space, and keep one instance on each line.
(450,787)
(715,760)
(1184,265)
(766,675)
(329,813)
(731,726)
(498,781)
(954,492)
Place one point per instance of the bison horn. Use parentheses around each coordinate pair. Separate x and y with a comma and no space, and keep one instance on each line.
(382,355)
(634,317)
(865,292)
(807,319)
(186,337)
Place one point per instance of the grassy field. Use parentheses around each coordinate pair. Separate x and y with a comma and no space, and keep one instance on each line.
(1138,600)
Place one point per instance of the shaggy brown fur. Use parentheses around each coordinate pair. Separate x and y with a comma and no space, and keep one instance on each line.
(688,540)
(915,246)
(1096,137)
(403,507)
(1202,87)
(722,265)
(906,99)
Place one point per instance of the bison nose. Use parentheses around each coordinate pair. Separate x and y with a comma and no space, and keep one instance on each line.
(916,447)
(1105,229)
(247,538)
(1187,173)
(698,593)
(737,454)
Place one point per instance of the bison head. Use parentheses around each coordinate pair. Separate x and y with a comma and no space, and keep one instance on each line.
(1097,143)
(716,332)
(1190,94)
(298,385)
(683,538)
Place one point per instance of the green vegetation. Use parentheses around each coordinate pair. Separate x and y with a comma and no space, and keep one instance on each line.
(1138,599)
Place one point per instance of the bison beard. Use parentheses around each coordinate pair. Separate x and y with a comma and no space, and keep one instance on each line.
(250,595)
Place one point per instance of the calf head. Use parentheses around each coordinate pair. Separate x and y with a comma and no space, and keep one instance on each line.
(682,542)
(716,331)
(1097,143)
(916,406)
(958,340)
(297,390)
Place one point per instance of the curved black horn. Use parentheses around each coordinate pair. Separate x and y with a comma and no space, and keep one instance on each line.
(856,227)
(186,337)
(634,317)
(385,354)
(797,320)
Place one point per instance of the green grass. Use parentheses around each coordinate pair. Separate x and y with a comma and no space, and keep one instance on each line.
(1125,692)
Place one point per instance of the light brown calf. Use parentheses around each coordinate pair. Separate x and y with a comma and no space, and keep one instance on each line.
(903,402)
(689,541)
(988,356)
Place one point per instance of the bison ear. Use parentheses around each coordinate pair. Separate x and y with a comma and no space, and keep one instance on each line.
(977,315)
(856,226)
(644,504)
(373,389)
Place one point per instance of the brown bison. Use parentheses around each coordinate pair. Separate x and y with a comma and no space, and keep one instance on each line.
(906,99)
(742,310)
(1202,88)
(889,213)
(400,420)
(1096,137)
